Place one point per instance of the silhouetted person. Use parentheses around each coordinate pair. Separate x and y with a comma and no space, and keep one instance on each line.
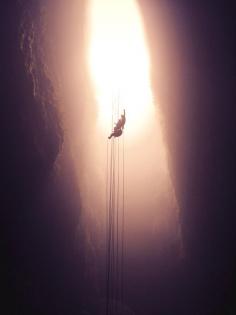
(118,129)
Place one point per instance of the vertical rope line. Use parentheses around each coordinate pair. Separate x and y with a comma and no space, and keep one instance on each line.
(115,218)
(113,270)
(117,221)
(107,224)
(123,224)
(108,306)
(110,227)
(117,207)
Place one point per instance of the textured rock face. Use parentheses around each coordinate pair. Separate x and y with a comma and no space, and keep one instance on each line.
(32,263)
(36,277)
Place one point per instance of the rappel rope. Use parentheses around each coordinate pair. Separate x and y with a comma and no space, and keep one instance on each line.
(115,219)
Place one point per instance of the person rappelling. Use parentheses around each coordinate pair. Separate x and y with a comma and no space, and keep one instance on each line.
(118,129)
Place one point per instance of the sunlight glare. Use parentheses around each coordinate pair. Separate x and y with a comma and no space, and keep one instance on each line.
(119,63)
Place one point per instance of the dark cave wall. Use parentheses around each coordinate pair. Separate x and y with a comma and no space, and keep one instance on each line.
(196,92)
(39,213)
(193,79)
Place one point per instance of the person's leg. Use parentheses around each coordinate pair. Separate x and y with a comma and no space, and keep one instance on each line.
(111,135)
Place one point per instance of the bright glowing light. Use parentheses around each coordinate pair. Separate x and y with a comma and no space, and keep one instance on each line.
(119,62)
